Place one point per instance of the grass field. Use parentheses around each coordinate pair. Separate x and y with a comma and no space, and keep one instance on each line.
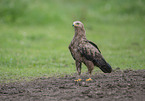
(35,42)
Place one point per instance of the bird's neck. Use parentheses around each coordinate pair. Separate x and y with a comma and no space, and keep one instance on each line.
(80,33)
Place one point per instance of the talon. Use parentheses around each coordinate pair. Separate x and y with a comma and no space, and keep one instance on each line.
(78,80)
(89,79)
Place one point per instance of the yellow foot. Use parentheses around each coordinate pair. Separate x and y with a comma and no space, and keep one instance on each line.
(89,79)
(78,80)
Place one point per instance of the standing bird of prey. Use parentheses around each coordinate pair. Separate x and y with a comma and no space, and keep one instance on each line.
(85,51)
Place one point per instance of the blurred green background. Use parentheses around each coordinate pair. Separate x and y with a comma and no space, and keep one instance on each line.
(35,34)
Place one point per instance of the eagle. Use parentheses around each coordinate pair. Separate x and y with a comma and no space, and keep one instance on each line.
(87,52)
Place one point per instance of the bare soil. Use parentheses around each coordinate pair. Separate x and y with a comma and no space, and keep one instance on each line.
(128,85)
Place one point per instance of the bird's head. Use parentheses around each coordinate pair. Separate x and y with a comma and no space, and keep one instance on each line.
(78,24)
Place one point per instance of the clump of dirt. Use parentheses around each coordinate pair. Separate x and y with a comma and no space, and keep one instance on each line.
(128,85)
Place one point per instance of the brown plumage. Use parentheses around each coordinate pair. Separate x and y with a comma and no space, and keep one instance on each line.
(85,51)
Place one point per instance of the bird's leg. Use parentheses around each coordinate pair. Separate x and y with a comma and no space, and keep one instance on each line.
(89,77)
(78,67)
(90,69)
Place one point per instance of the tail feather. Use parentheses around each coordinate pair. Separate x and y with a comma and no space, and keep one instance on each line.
(106,68)
(103,65)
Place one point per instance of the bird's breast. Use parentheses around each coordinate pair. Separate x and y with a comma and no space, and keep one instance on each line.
(75,50)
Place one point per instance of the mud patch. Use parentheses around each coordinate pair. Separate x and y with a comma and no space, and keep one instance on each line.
(125,85)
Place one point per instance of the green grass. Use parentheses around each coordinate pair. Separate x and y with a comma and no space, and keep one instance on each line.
(35,42)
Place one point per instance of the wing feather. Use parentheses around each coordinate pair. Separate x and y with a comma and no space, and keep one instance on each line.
(94,45)
(92,53)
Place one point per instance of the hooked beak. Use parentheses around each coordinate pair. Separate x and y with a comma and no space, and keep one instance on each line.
(74,24)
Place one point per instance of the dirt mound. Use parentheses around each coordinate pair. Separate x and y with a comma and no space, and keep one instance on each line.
(125,85)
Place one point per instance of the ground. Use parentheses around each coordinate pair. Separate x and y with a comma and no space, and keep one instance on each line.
(127,85)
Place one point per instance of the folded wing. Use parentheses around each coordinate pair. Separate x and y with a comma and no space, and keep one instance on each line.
(91,52)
